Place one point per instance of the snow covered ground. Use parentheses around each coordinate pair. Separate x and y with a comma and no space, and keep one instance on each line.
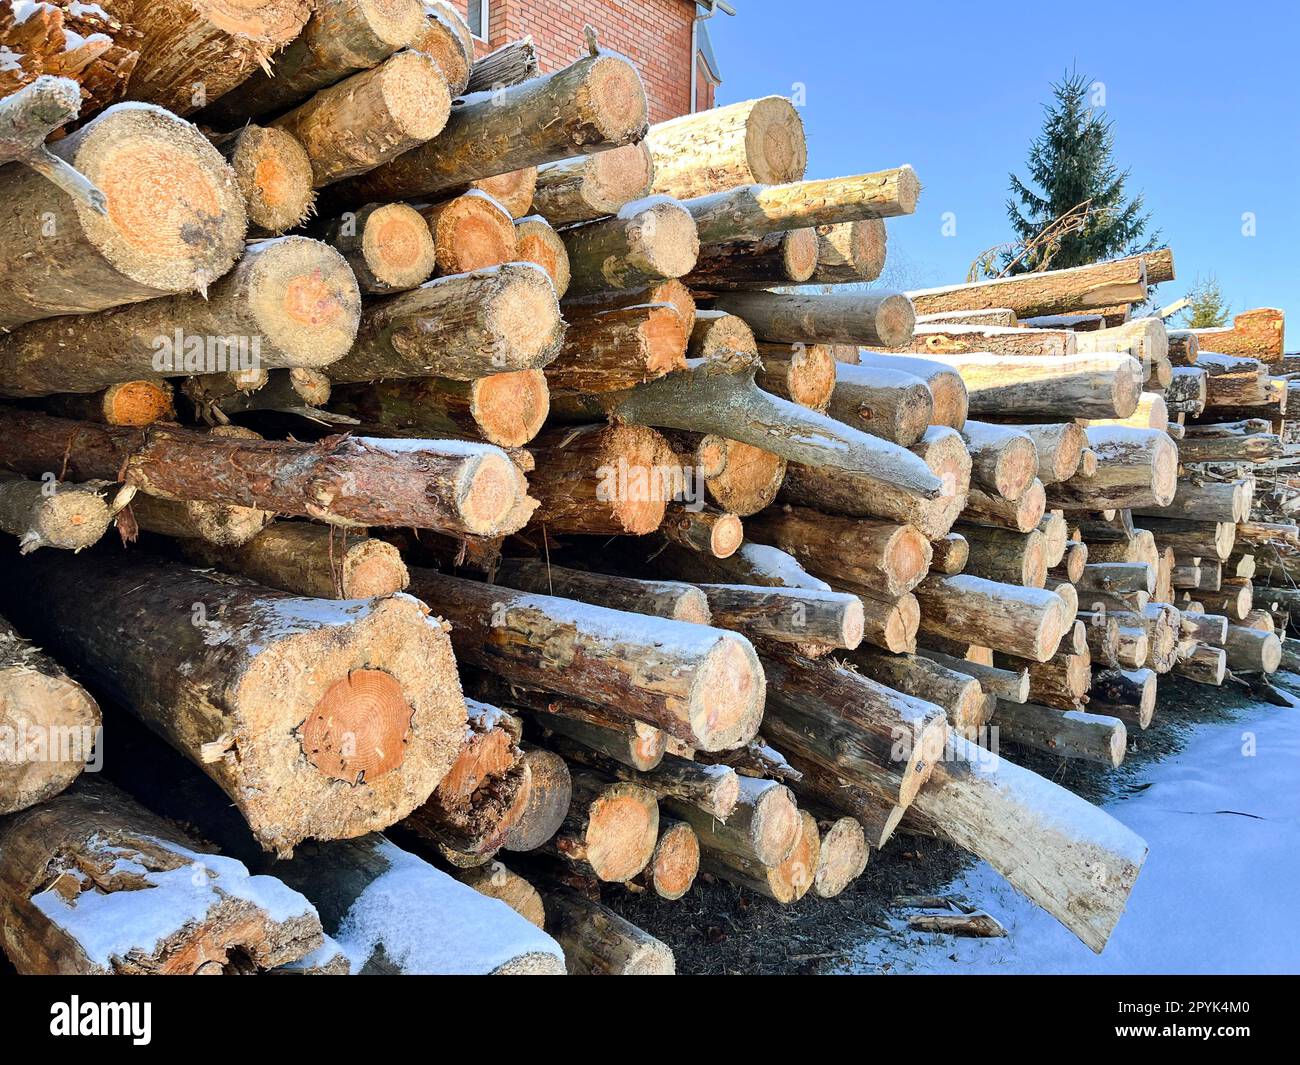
(1220,892)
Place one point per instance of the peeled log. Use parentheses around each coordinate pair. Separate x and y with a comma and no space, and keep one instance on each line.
(1135,468)
(318,720)
(868,318)
(701,684)
(466,326)
(593,186)
(756,142)
(1064,854)
(50,722)
(593,105)
(176,224)
(70,882)
(1026,622)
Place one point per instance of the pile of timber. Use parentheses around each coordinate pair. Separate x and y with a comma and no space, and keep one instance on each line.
(541,516)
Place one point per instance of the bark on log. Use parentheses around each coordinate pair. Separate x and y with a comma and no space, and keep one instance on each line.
(467,326)
(549,795)
(788,258)
(1206,501)
(1209,539)
(1006,555)
(509,65)
(701,684)
(134,403)
(1203,664)
(388,245)
(497,882)
(1060,683)
(944,452)
(956,338)
(598,942)
(318,720)
(950,554)
(618,350)
(1187,391)
(958,693)
(46,513)
(622,740)
(1127,695)
(1026,622)
(1003,460)
(786,882)
(1256,333)
(802,373)
(1252,651)
(756,142)
(593,105)
(763,826)
(1060,449)
(1023,515)
(850,252)
(289,302)
(1066,733)
(951,403)
(712,531)
(513,190)
(1117,578)
(891,404)
(177,221)
(274,174)
(81,43)
(647,241)
(586,187)
(867,318)
(665,599)
(792,616)
(753,564)
(1136,467)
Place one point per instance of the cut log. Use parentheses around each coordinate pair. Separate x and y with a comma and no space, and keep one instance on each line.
(1049,843)
(1023,515)
(459,488)
(1127,695)
(593,186)
(1209,540)
(1060,683)
(513,190)
(950,554)
(47,513)
(1252,651)
(951,404)
(1011,685)
(1231,442)
(341,38)
(274,174)
(509,65)
(753,564)
(611,829)
(788,258)
(598,942)
(944,452)
(958,693)
(497,882)
(868,318)
(618,350)
(1006,555)
(319,720)
(292,301)
(549,795)
(1146,339)
(1004,460)
(713,531)
(50,723)
(647,241)
(596,104)
(961,337)
(73,871)
(539,244)
(1026,622)
(388,245)
(1060,449)
(134,403)
(311,560)
(675,862)
(471,232)
(843,856)
(1070,734)
(756,142)
(739,478)
(83,44)
(701,684)
(850,252)
(216,524)
(786,882)
(621,740)
(1151,413)
(1136,467)
(793,616)
(1256,334)
(1187,391)
(467,326)
(1203,664)
(801,373)
(665,599)
(1206,501)
(1102,633)
(1117,578)
(671,292)
(176,225)
(763,826)
(891,404)
(447,38)
(753,211)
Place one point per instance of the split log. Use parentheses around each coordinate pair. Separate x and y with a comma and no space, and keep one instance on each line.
(1006,555)
(73,870)
(756,142)
(868,318)
(1065,733)
(388,245)
(538,243)
(311,560)
(1055,291)
(593,105)
(1047,842)
(753,211)
(372,117)
(891,404)
(1203,664)
(47,513)
(549,796)
(459,488)
(701,684)
(291,301)
(598,942)
(436,926)
(1136,467)
(787,882)
(763,826)
(874,557)
(341,38)
(610,831)
(509,65)
(50,723)
(958,693)
(1003,459)
(506,409)
(618,350)
(951,404)
(1127,695)
(850,252)
(665,599)
(713,531)
(788,258)
(843,856)
(61,257)
(1252,651)
(471,232)
(1026,622)
(802,373)
(647,241)
(364,693)
(467,326)
(586,187)
(1023,515)
(274,174)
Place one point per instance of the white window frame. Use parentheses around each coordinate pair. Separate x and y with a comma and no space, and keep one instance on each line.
(485,12)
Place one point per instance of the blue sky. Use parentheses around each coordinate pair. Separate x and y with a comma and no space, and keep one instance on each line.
(1205,100)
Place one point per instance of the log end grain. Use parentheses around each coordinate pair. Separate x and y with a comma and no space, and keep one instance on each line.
(622,831)
(274,175)
(676,861)
(538,243)
(547,802)
(614,104)
(397,247)
(472,232)
(663,240)
(305,299)
(525,316)
(725,703)
(842,859)
(615,178)
(138,403)
(510,408)
(513,191)
(67,520)
(811,377)
(775,146)
(740,478)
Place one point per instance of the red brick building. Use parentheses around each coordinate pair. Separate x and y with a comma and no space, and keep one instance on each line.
(662,37)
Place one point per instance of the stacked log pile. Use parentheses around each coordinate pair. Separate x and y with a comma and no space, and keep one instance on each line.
(518,530)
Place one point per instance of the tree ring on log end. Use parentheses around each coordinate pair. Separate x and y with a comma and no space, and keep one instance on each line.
(895,320)
(622,829)
(524,315)
(843,857)
(305,300)
(664,240)
(138,403)
(396,23)
(71,520)
(510,408)
(799,249)
(726,536)
(749,480)
(618,177)
(853,626)
(775,825)
(1164,466)
(776,148)
(358,730)
(676,862)
(617,109)
(415,94)
(812,376)
(725,705)
(488,492)
(397,246)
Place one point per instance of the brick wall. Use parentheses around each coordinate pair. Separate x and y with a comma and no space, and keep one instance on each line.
(654,34)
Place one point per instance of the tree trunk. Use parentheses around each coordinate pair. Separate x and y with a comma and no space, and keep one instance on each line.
(951,403)
(1071,734)
(67,517)
(1004,460)
(1023,515)
(642,244)
(713,531)
(869,318)
(1209,540)
(1117,578)
(738,478)
(763,826)
(1026,622)
(850,253)
(1007,684)
(497,882)
(963,337)
(260,688)
(1060,449)
(622,740)
(665,599)
(843,856)
(388,245)
(1252,651)
(289,302)
(593,105)
(177,222)
(787,258)
(274,174)
(299,389)
(958,693)
(547,803)
(802,373)
(1203,664)
(586,187)
(134,403)
(618,350)
(1206,501)
(1257,333)
(1127,695)
(671,292)
(447,38)
(1136,467)
(701,684)
(1060,683)
(950,554)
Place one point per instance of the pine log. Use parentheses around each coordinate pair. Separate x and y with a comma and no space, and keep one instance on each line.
(762,828)
(595,104)
(1072,562)
(850,252)
(792,616)
(435,926)
(318,720)
(1103,635)
(1136,467)
(951,404)
(47,513)
(81,43)
(1060,683)
(843,856)
(787,882)
(467,326)
(177,222)
(713,531)
(1071,734)
(788,258)
(1129,696)
(1232,442)
(961,337)
(1146,339)
(341,38)
(1151,413)
(274,174)
(447,38)
(1010,685)
(388,245)
(950,554)
(471,232)
(1252,651)
(1255,333)
(1203,664)
(512,190)
(1006,555)
(622,741)
(647,241)
(1187,391)
(675,862)
(802,373)
(944,452)
(958,693)
(891,404)
(598,942)
(134,403)
(611,829)
(1209,539)
(701,684)
(1056,532)
(753,211)
(671,292)
(754,564)
(1003,460)
(1206,501)
(497,882)
(540,244)
(549,795)
(868,318)
(1117,578)
(1055,291)
(292,301)
(311,560)
(757,142)
(739,478)
(1026,622)
(458,488)
(50,725)
(586,187)
(665,599)
(1023,515)
(618,350)
(506,409)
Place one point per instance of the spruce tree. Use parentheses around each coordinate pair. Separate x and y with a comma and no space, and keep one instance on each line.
(1208,309)
(1070,164)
